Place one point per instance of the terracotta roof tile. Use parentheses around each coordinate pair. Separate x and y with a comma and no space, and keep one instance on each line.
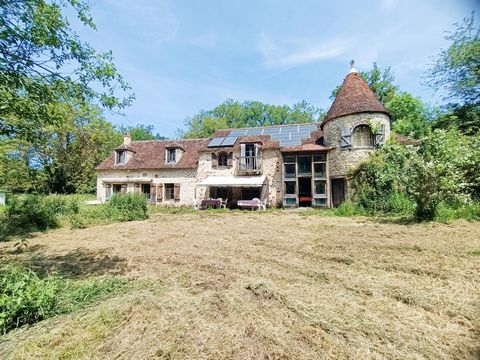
(403,140)
(306,148)
(151,155)
(354,97)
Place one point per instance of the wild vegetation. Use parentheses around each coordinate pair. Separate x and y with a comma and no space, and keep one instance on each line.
(224,285)
(27,298)
(25,214)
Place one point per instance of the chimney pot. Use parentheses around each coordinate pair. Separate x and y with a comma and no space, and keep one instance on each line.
(127,139)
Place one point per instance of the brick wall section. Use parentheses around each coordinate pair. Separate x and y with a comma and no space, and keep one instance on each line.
(341,160)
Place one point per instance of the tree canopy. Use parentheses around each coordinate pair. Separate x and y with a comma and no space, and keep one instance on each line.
(53,87)
(457,70)
(141,132)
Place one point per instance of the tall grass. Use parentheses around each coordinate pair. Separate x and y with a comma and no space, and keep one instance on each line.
(25,298)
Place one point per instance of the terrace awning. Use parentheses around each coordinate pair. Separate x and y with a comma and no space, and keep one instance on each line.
(234,181)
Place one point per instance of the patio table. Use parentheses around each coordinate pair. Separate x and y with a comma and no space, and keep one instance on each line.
(211,203)
(249,204)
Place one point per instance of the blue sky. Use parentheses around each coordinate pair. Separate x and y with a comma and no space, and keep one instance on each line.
(184,56)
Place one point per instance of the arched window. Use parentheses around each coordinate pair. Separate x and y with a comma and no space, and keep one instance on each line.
(362,136)
(222,159)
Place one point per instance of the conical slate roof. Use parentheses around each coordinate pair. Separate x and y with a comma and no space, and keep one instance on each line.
(354,97)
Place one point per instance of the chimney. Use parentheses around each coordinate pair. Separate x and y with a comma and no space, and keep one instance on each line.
(127,139)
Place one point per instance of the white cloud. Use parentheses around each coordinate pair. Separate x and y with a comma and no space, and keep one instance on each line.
(295,52)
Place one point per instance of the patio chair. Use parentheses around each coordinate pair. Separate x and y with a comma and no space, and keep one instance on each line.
(257,203)
(223,204)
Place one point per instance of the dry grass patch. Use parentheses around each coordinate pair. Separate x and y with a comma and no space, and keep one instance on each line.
(276,285)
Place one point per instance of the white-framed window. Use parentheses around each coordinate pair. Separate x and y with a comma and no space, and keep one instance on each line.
(362,136)
(171,156)
(121,157)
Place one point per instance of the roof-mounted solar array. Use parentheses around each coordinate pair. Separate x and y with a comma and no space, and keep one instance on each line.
(216,142)
(229,141)
(223,141)
(286,135)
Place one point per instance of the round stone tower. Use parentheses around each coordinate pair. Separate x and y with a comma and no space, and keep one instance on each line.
(356,123)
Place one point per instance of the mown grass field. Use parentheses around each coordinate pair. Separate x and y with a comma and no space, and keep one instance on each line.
(271,285)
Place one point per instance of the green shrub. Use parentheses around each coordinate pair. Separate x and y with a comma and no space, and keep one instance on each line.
(401,180)
(27,213)
(348,209)
(62,205)
(128,207)
(26,299)
(446,213)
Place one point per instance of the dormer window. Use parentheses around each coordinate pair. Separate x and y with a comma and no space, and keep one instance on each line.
(121,156)
(171,156)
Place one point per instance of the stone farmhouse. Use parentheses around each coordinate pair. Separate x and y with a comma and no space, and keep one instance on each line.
(285,165)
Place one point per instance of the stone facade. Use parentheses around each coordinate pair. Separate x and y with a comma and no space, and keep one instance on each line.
(340,160)
(271,168)
(185,177)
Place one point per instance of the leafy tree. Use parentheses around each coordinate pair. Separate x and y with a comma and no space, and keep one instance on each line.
(141,132)
(234,114)
(73,151)
(51,133)
(410,116)
(457,70)
(381,82)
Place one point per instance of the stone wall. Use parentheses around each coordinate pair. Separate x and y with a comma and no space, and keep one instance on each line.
(185,177)
(341,160)
(271,168)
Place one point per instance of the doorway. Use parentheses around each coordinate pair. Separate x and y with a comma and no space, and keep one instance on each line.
(338,191)
(305,191)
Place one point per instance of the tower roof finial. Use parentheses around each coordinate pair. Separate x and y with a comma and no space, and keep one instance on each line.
(352,69)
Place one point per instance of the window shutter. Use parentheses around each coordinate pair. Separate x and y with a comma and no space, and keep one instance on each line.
(380,137)
(242,156)
(159,192)
(214,161)
(137,188)
(124,188)
(152,194)
(176,192)
(345,138)
(257,150)
(229,159)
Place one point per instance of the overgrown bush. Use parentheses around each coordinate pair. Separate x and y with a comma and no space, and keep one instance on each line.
(25,214)
(128,207)
(380,183)
(447,213)
(348,209)
(25,298)
(414,181)
(62,205)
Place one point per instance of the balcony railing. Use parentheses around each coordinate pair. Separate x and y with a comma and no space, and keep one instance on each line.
(250,164)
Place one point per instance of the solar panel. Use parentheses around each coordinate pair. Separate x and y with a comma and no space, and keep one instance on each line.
(229,141)
(270,131)
(290,135)
(240,132)
(254,131)
(216,142)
